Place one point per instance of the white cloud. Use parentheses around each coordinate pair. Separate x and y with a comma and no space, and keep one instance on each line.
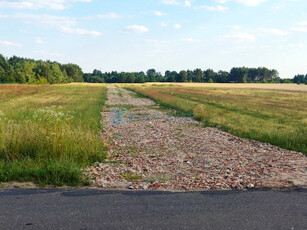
(8,43)
(212,8)
(236,27)
(81,31)
(241,34)
(157,42)
(135,29)
(171,2)
(187,3)
(272,31)
(39,41)
(241,37)
(46,20)
(163,24)
(160,51)
(177,26)
(191,40)
(3,16)
(250,2)
(244,2)
(158,13)
(301,28)
(48,54)
(110,15)
(64,24)
(222,1)
(38,4)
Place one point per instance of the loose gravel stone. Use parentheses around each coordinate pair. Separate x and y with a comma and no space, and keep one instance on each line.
(150,150)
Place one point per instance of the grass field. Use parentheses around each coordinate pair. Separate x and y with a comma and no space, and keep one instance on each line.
(271,86)
(273,113)
(48,133)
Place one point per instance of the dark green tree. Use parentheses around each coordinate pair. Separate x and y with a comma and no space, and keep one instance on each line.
(74,72)
(122,77)
(209,74)
(222,77)
(237,74)
(190,75)
(198,75)
(130,78)
(57,74)
(6,73)
(299,78)
(151,74)
(140,77)
(182,76)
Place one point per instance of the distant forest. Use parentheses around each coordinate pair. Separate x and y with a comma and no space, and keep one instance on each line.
(236,75)
(24,70)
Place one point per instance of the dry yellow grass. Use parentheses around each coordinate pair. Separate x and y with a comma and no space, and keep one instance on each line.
(274,113)
(287,87)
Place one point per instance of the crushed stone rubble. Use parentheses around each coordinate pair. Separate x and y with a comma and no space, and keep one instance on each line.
(148,149)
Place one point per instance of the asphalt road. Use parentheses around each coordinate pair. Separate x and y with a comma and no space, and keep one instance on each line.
(97,209)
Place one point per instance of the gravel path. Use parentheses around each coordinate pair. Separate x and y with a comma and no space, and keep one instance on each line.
(149,149)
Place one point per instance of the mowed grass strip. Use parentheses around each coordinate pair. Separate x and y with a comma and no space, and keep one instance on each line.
(48,133)
(276,116)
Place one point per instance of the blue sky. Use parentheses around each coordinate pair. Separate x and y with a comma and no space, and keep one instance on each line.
(136,35)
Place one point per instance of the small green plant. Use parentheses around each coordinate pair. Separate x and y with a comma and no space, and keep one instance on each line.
(164,178)
(133,151)
(131,176)
(152,179)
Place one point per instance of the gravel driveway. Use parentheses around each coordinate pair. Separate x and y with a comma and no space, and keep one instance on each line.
(150,149)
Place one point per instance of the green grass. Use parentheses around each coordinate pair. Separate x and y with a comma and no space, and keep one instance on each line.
(276,116)
(131,176)
(49,133)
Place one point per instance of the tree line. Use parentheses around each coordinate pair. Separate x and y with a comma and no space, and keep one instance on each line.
(24,70)
(236,75)
(300,78)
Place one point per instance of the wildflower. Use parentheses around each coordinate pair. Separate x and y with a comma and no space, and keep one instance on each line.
(51,115)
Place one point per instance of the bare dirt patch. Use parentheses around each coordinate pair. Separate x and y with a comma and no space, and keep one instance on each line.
(149,149)
(15,184)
